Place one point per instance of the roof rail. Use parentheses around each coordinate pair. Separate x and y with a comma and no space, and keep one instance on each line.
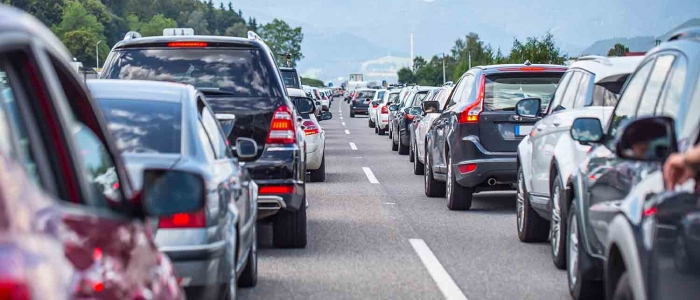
(597,58)
(132,35)
(690,33)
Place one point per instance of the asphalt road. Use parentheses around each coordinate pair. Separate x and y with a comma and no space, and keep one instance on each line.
(366,239)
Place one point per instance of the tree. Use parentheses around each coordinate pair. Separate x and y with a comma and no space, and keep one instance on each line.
(80,31)
(312,82)
(283,40)
(211,17)
(197,21)
(618,50)
(47,11)
(237,30)
(537,51)
(406,76)
(152,28)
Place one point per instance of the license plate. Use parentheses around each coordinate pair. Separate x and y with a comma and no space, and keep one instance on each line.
(522,130)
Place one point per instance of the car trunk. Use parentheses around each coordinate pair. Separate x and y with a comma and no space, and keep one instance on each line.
(500,129)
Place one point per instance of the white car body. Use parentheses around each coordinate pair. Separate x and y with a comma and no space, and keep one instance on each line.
(382,119)
(315,143)
(373,110)
(427,120)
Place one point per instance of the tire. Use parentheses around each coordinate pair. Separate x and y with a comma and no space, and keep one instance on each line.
(371,124)
(556,226)
(381,131)
(352,114)
(418,167)
(531,227)
(433,188)
(581,286)
(403,150)
(376,129)
(458,197)
(320,174)
(289,228)
(411,156)
(394,145)
(623,290)
(249,277)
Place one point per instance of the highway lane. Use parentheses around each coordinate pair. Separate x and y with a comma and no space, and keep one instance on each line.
(374,234)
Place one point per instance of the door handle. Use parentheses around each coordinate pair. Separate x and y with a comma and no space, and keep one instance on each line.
(556,123)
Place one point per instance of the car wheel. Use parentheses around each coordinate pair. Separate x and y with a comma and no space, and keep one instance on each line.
(403,149)
(433,188)
(289,228)
(580,284)
(320,174)
(418,167)
(531,227)
(376,129)
(371,124)
(623,290)
(458,197)
(394,145)
(557,226)
(411,156)
(381,131)
(352,114)
(249,277)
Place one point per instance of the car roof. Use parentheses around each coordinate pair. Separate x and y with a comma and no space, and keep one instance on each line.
(216,40)
(292,92)
(140,90)
(604,67)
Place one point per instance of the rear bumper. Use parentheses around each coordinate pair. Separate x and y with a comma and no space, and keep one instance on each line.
(501,166)
(199,265)
(383,121)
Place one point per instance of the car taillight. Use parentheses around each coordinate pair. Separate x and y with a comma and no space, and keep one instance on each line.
(14,290)
(311,128)
(650,211)
(409,117)
(196,219)
(282,128)
(467,168)
(375,105)
(276,189)
(385,110)
(187,44)
(471,112)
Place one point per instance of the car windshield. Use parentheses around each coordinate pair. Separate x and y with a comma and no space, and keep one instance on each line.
(504,91)
(237,71)
(290,79)
(142,126)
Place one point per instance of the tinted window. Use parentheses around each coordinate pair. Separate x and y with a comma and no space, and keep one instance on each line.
(629,99)
(303,104)
(466,93)
(240,72)
(144,126)
(366,94)
(215,136)
(461,86)
(647,105)
(10,119)
(603,97)
(561,88)
(503,91)
(419,98)
(669,103)
(290,79)
(380,94)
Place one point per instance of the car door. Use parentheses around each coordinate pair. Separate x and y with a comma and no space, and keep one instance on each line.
(424,124)
(442,125)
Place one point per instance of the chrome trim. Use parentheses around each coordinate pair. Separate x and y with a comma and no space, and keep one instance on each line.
(206,247)
(235,147)
(488,160)
(271,200)
(295,147)
(481,148)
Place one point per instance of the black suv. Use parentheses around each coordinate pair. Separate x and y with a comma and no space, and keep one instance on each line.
(472,145)
(238,76)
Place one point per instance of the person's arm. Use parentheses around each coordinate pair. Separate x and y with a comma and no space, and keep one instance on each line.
(692,158)
(678,167)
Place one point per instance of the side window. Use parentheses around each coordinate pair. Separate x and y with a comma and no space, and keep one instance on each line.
(559,93)
(690,123)
(582,92)
(567,101)
(627,106)
(669,103)
(212,128)
(206,144)
(651,93)
(468,87)
(98,168)
(456,95)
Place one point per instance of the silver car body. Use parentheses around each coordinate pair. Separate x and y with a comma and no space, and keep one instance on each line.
(426,121)
(315,143)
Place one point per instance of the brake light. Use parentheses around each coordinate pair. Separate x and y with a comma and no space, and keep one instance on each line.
(282,128)
(650,211)
(311,128)
(196,219)
(471,113)
(467,168)
(375,105)
(385,110)
(276,189)
(14,290)
(409,117)
(188,44)
(531,69)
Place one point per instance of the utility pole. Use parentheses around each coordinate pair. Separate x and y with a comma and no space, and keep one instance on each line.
(444,78)
(470,59)
(97,56)
(411,51)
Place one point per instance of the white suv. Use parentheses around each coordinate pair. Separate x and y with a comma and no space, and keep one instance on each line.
(381,114)
(548,156)
(373,106)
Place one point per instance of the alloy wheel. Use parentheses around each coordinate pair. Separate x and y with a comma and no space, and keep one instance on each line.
(555,229)
(520,203)
(572,254)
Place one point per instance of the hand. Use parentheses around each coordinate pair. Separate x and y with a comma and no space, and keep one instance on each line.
(676,171)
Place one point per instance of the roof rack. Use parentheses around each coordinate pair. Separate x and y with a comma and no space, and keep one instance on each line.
(690,33)
(131,35)
(597,58)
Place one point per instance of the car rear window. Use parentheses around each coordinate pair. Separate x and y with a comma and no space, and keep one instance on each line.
(240,72)
(393,97)
(144,126)
(503,91)
(366,94)
(290,79)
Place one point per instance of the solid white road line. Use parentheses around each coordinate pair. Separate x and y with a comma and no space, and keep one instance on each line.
(347,131)
(447,286)
(370,175)
(353,146)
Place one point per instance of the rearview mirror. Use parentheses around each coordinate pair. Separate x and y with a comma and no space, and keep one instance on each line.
(169,192)
(227,121)
(528,107)
(393,107)
(246,148)
(326,115)
(431,106)
(647,139)
(586,130)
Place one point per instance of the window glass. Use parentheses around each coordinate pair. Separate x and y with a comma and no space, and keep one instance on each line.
(290,79)
(559,92)
(458,91)
(392,98)
(420,97)
(380,94)
(140,126)
(651,93)
(10,119)
(503,91)
(464,96)
(215,135)
(206,143)
(602,96)
(690,122)
(98,168)
(567,101)
(627,107)
(669,103)
(582,92)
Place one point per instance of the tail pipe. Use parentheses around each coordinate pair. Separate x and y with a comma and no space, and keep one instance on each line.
(492,181)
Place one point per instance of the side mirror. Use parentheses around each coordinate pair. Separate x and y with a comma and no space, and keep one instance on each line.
(169,192)
(326,115)
(431,106)
(586,130)
(416,111)
(528,107)
(246,148)
(227,121)
(393,107)
(647,139)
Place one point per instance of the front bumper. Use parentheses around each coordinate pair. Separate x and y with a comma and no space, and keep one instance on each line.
(501,166)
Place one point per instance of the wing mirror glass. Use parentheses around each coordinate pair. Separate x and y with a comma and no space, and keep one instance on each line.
(305,105)
(326,115)
(647,139)
(246,148)
(528,107)
(431,106)
(227,121)
(586,130)
(393,107)
(416,110)
(169,192)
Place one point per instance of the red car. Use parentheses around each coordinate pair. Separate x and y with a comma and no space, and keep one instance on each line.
(70,224)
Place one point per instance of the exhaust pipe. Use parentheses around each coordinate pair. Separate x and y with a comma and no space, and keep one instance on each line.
(491,181)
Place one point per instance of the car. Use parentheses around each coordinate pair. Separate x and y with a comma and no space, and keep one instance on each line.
(628,235)
(73,226)
(382,111)
(170,125)
(548,156)
(314,136)
(372,110)
(471,147)
(416,110)
(360,102)
(265,115)
(291,77)
(404,113)
(421,128)
(400,102)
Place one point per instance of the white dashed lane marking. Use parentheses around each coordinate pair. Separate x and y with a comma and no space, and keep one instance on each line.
(447,286)
(370,175)
(353,146)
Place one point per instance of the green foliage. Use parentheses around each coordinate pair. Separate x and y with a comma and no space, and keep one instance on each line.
(537,51)
(283,40)
(406,76)
(237,30)
(618,50)
(152,28)
(312,82)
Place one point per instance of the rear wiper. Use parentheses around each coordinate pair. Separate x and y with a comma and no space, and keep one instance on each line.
(216,91)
